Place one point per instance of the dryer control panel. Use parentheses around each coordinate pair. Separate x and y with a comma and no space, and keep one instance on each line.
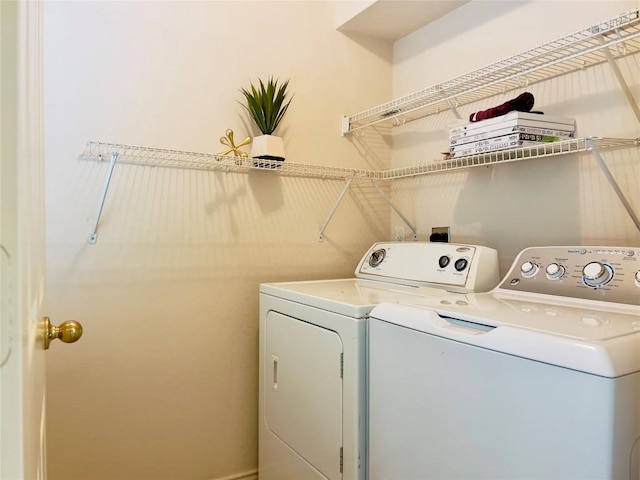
(610,274)
(456,267)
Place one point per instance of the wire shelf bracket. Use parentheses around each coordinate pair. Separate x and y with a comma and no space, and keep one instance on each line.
(335,207)
(93,238)
(382,194)
(621,80)
(616,188)
(412,227)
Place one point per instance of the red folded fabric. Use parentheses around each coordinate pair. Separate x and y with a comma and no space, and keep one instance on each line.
(522,103)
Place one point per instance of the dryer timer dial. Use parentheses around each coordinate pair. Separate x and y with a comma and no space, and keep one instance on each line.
(377,257)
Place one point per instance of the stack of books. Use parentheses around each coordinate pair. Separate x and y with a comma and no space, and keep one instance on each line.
(515,129)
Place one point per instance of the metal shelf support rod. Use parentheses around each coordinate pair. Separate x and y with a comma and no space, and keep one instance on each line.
(335,207)
(621,80)
(613,183)
(395,209)
(93,238)
(454,110)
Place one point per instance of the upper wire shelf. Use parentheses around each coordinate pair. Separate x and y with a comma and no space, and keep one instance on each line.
(618,37)
(156,157)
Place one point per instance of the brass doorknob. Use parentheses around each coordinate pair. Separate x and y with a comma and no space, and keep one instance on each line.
(69,332)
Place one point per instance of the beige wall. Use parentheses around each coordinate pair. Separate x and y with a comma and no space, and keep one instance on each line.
(163,385)
(554,201)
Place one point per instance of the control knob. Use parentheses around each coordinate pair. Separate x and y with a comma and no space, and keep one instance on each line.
(555,271)
(529,269)
(444,260)
(596,274)
(377,257)
(638,278)
(461,264)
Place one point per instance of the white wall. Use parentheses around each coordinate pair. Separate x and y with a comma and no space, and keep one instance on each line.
(554,201)
(163,384)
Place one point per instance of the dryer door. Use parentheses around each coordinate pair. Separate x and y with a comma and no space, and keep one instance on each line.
(303,390)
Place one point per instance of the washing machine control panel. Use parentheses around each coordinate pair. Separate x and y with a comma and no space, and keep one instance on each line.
(453,266)
(593,273)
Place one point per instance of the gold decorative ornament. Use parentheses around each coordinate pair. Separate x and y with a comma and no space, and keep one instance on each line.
(233,148)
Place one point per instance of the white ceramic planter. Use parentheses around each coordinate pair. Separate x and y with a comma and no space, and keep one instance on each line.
(267,147)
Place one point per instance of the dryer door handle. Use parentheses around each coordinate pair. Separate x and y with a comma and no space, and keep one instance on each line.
(274,373)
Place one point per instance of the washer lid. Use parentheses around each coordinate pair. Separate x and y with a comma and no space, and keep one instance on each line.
(591,322)
(351,297)
(600,342)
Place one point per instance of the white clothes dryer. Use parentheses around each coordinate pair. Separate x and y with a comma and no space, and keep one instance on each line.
(312,391)
(537,379)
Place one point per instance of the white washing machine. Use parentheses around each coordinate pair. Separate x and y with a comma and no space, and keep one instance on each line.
(312,413)
(537,379)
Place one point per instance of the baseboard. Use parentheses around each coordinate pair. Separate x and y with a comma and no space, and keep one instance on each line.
(248,475)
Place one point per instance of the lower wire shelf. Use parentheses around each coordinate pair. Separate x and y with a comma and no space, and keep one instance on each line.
(564,147)
(157,157)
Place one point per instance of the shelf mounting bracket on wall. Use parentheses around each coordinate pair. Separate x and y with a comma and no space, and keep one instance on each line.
(93,238)
(386,199)
(454,110)
(382,194)
(398,212)
(335,207)
(613,183)
(623,84)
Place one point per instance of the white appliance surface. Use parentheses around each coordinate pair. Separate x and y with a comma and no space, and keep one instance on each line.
(352,297)
(538,378)
(312,392)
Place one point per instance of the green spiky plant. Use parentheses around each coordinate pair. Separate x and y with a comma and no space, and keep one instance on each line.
(266,103)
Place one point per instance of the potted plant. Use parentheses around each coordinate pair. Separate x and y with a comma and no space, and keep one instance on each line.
(266,104)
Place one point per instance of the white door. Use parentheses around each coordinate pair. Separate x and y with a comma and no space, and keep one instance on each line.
(22,392)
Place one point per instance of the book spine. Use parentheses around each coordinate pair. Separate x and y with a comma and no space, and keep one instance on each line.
(503,145)
(485,148)
(534,137)
(462,138)
(520,117)
(506,138)
(475,128)
(503,139)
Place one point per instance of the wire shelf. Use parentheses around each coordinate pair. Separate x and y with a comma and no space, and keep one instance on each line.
(574,145)
(618,37)
(156,157)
